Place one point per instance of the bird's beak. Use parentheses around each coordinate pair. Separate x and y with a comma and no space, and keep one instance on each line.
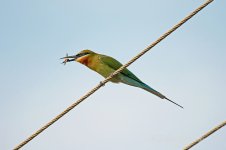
(69,58)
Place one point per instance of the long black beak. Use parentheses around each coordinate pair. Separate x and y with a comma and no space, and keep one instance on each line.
(67,58)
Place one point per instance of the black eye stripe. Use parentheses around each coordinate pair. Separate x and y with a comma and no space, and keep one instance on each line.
(82,54)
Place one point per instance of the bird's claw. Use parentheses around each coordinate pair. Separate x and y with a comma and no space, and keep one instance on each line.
(102,83)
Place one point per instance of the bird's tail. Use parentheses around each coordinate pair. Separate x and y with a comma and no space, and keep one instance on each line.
(151,90)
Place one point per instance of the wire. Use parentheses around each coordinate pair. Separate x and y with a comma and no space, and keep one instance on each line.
(205,135)
(112,75)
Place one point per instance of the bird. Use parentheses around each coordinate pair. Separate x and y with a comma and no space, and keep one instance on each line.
(106,65)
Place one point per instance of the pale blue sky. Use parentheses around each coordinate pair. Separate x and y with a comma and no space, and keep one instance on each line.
(188,67)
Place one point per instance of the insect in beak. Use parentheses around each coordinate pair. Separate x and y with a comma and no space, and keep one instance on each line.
(67,59)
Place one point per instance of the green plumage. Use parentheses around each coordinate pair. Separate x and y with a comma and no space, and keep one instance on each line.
(105,66)
(126,76)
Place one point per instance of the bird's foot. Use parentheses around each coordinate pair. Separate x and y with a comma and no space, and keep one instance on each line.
(102,83)
(112,74)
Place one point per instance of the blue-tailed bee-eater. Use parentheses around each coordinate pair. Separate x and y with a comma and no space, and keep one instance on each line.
(106,65)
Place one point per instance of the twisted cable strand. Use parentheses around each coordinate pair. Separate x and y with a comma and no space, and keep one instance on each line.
(111,76)
(205,135)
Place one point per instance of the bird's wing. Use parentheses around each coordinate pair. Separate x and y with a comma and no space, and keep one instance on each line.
(114,64)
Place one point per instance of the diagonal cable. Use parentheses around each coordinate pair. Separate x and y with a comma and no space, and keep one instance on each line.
(112,75)
(205,135)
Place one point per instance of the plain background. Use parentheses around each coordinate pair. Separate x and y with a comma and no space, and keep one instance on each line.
(188,67)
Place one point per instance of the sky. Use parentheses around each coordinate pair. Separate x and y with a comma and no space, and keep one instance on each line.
(188,67)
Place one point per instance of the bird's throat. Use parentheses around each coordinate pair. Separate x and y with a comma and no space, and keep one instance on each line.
(83,60)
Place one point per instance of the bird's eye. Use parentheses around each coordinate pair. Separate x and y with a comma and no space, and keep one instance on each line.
(82,54)
(86,53)
(78,55)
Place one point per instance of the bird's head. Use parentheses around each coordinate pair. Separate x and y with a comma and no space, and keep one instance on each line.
(80,57)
